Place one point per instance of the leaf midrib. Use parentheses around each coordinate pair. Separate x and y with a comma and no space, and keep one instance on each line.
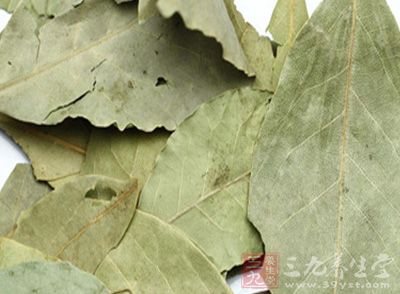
(208,195)
(103,213)
(344,143)
(67,57)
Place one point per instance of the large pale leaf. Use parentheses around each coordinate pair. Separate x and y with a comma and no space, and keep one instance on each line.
(200,183)
(326,175)
(156,258)
(288,18)
(81,221)
(20,192)
(49,147)
(49,278)
(13,253)
(107,68)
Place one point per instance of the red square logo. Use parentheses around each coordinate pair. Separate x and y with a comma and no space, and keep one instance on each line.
(260,271)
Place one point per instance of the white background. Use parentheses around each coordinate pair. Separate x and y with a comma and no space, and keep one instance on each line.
(257,12)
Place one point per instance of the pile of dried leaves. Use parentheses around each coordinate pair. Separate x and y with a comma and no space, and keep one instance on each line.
(167,139)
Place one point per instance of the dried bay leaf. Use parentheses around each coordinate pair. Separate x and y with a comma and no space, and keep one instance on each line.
(212,19)
(288,18)
(8,5)
(146,10)
(154,257)
(258,49)
(326,173)
(200,182)
(20,192)
(13,253)
(61,153)
(49,278)
(155,85)
(122,155)
(219,19)
(122,1)
(128,155)
(55,152)
(80,221)
(42,7)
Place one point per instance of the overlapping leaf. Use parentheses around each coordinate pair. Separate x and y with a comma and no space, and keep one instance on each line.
(326,174)
(212,19)
(91,62)
(219,19)
(49,278)
(80,221)
(200,183)
(156,258)
(55,152)
(19,193)
(288,18)
(125,156)
(324,178)
(42,7)
(64,152)
(13,253)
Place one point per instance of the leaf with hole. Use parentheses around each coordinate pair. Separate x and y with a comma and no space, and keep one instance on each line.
(219,19)
(91,62)
(80,221)
(212,19)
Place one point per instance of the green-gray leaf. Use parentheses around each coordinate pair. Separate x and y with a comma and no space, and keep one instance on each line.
(146,10)
(122,155)
(219,19)
(49,147)
(20,192)
(212,19)
(42,7)
(81,221)
(8,5)
(288,18)
(97,62)
(326,175)
(258,49)
(128,155)
(200,183)
(156,258)
(49,278)
(13,253)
